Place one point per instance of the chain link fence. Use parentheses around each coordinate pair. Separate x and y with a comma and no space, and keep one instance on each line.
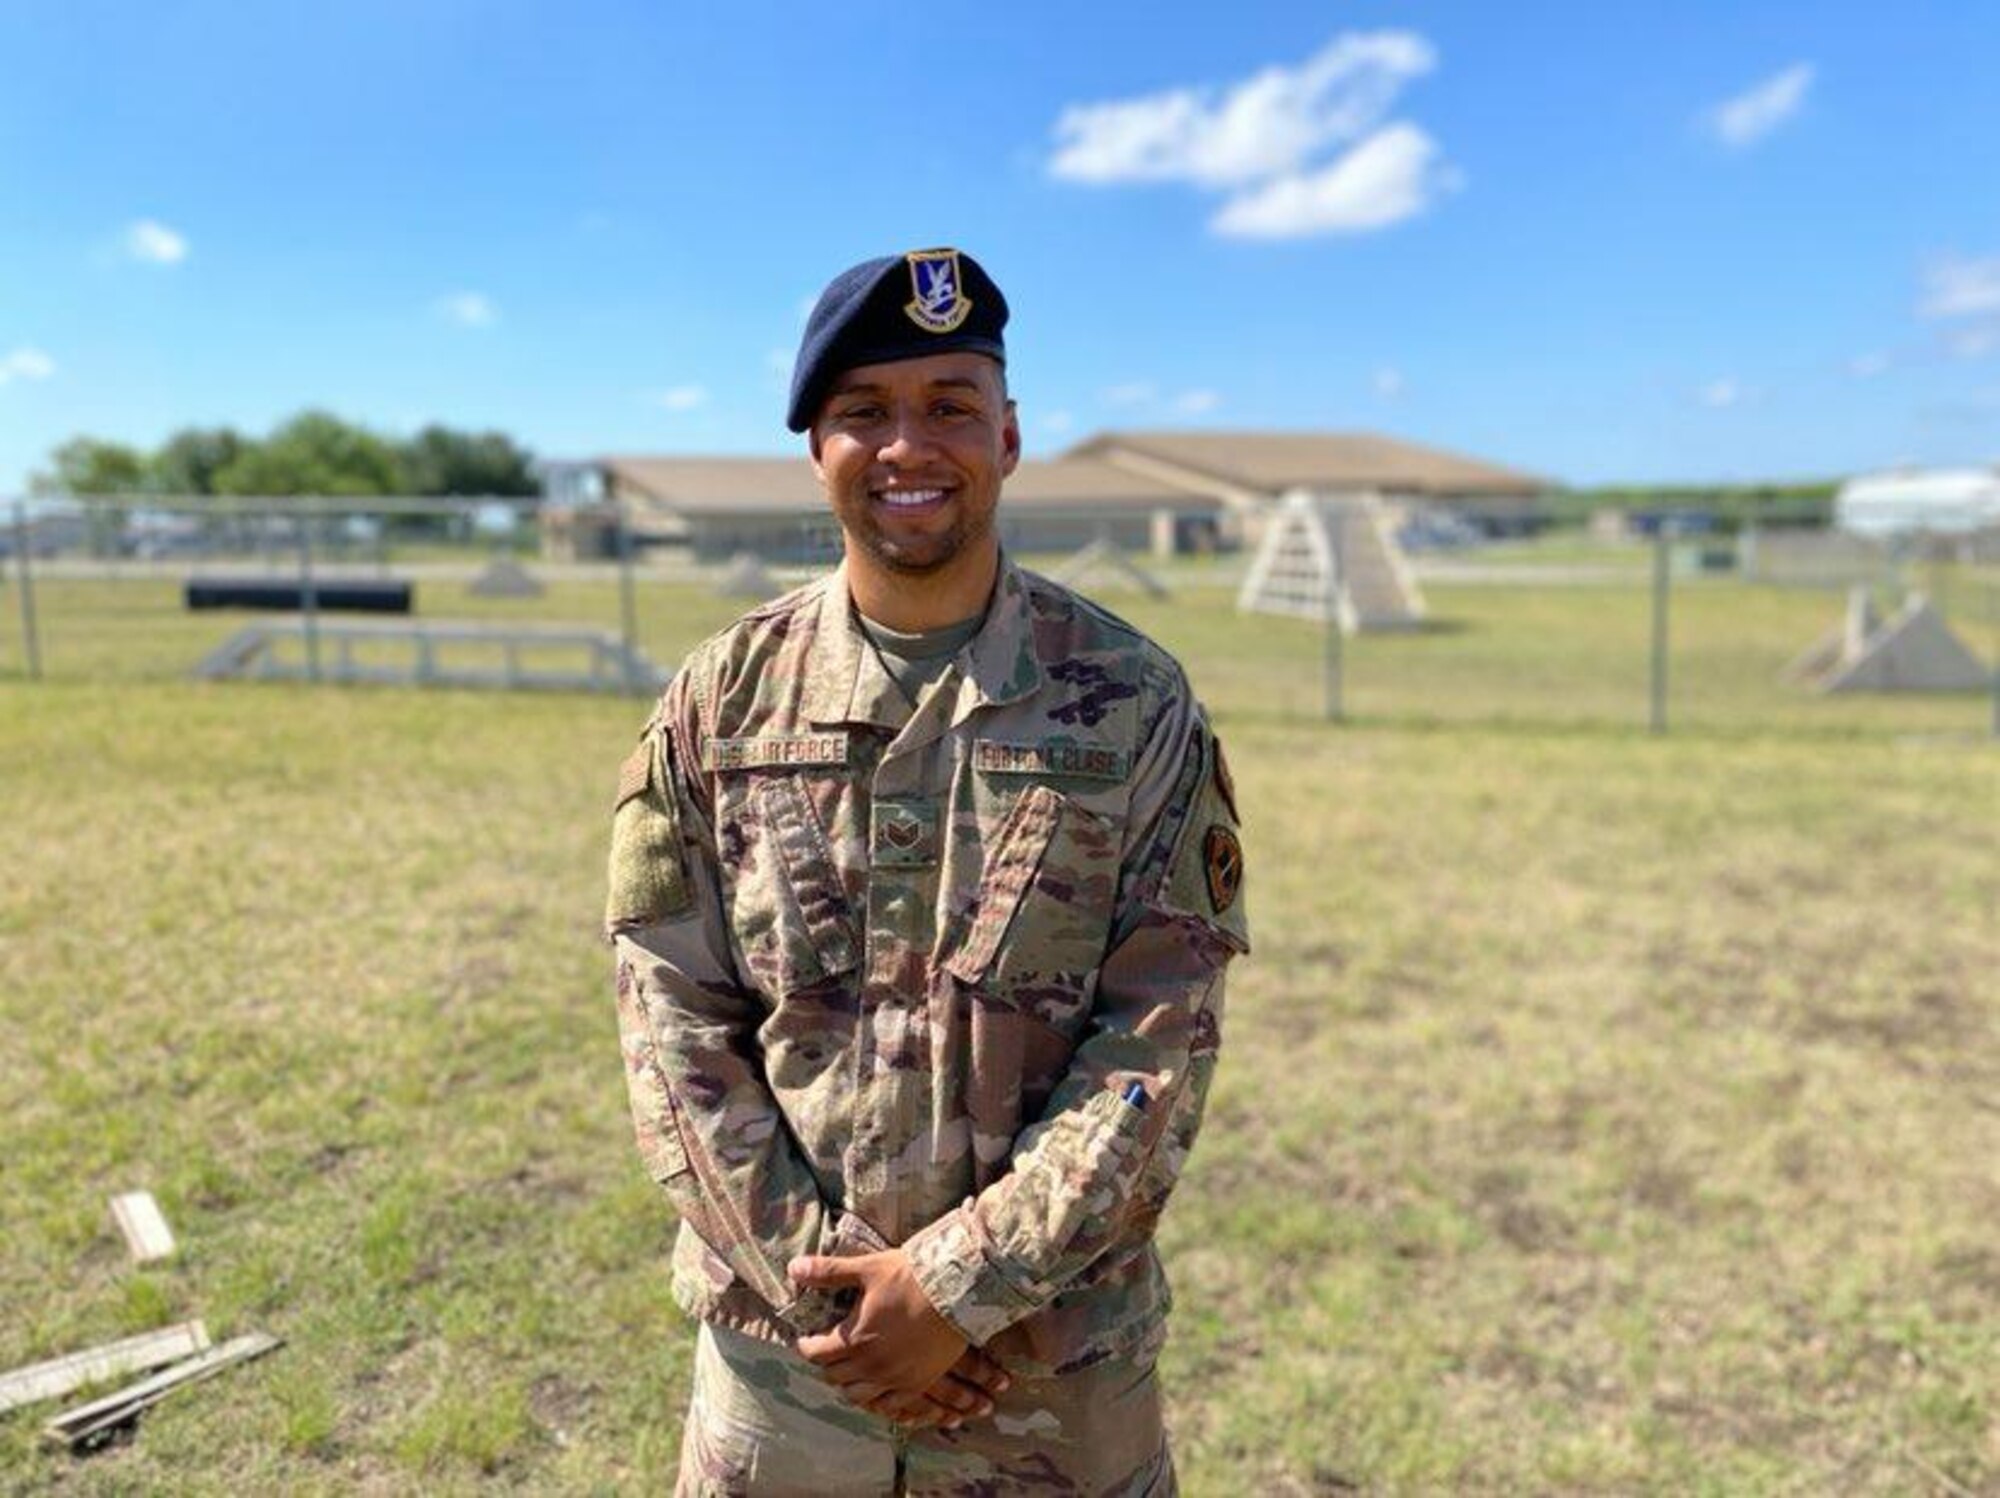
(1758,633)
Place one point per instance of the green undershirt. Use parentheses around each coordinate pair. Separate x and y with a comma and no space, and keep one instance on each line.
(916,661)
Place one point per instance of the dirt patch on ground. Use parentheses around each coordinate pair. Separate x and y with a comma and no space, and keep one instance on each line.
(560,1405)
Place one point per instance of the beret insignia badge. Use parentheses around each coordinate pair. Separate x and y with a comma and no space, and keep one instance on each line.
(1223,856)
(940,303)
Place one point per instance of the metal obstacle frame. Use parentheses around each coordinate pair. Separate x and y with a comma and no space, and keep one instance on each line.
(1101,558)
(433,653)
(1300,569)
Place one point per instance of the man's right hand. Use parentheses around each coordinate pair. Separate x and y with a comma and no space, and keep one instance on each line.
(965,1391)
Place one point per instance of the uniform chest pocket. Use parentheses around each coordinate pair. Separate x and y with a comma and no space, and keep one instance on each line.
(1042,913)
(788,906)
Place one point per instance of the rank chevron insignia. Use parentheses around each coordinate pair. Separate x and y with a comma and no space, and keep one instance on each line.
(940,303)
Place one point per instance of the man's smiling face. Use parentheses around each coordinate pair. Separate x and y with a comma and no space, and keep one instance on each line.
(912,455)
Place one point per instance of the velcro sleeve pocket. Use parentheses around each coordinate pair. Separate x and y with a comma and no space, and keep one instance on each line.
(647,877)
(660,1146)
(1204,877)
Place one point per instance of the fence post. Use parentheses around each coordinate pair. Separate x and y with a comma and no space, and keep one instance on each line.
(1662,546)
(628,606)
(31,643)
(308,593)
(1992,591)
(1332,704)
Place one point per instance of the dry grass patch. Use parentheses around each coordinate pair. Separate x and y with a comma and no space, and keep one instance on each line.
(1598,1114)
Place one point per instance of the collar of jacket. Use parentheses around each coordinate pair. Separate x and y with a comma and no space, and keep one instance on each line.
(845,681)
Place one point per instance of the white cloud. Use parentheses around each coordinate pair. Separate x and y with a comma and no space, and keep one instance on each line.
(680,397)
(1197,402)
(25,363)
(1955,286)
(1393,175)
(154,242)
(1057,421)
(1300,150)
(1758,110)
(1388,382)
(1721,394)
(1270,123)
(469,309)
(1134,393)
(1867,366)
(1975,342)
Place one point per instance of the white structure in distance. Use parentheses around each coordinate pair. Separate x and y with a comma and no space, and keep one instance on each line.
(1942,501)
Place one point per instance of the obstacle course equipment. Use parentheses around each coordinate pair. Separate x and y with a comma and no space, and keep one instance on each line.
(1333,554)
(505,578)
(1102,562)
(438,652)
(288,594)
(1912,651)
(746,577)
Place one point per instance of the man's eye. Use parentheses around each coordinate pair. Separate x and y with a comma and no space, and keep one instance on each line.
(861,413)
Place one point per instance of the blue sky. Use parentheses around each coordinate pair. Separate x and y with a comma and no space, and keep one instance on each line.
(1689,242)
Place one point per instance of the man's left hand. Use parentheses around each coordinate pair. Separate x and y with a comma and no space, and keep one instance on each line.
(893,1344)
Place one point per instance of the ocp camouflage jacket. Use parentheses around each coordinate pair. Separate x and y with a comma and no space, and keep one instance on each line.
(953,983)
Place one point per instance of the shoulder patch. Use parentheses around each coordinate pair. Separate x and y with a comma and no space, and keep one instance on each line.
(1222,855)
(1205,873)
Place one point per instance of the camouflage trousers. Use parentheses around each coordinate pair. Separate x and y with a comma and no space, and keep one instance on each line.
(764,1424)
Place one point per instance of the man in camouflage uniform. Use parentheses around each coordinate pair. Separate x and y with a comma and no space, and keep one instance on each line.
(923,882)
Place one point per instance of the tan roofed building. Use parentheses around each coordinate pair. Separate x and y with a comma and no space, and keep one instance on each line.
(1251,469)
(714,508)
(1163,492)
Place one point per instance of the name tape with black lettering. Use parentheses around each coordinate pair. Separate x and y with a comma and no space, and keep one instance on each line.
(1084,761)
(764,750)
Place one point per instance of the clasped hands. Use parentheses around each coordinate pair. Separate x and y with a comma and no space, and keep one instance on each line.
(893,1353)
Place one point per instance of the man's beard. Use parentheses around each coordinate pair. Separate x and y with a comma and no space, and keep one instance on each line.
(932,554)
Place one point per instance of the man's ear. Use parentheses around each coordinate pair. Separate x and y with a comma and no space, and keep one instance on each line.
(1010,438)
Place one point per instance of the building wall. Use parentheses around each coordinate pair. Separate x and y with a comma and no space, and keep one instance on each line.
(1060,532)
(792,539)
(578,533)
(783,538)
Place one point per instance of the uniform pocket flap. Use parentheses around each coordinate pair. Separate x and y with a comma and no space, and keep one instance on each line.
(805,860)
(1017,853)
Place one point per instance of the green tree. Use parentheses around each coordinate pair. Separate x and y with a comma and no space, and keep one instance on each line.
(315,453)
(188,462)
(86,465)
(439,460)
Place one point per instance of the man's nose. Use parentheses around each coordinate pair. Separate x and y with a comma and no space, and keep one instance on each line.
(907,440)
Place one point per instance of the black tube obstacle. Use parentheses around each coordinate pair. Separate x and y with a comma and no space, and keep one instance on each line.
(288,595)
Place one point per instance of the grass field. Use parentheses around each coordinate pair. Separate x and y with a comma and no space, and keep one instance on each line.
(1599,1113)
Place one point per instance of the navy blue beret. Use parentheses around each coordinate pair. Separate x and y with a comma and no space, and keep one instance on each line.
(897,307)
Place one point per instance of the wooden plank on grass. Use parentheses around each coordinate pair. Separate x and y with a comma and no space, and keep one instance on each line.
(144,1225)
(76,1427)
(58,1376)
